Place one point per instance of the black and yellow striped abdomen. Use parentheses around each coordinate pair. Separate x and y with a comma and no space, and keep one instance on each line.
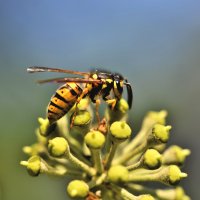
(63,100)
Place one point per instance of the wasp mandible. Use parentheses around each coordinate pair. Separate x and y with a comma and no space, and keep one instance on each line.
(95,84)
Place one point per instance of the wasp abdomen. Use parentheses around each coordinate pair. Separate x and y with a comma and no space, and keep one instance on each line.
(63,100)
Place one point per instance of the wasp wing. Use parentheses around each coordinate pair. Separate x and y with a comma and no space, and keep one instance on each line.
(34,69)
(65,80)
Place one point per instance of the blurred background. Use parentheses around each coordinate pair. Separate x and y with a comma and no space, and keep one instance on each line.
(155,44)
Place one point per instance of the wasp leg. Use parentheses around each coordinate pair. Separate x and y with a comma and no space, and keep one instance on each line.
(84,92)
(98,102)
(111,102)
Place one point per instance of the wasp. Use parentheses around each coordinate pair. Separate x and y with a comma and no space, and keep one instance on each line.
(95,84)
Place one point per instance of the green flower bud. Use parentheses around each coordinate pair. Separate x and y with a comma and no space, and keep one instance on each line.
(158,117)
(81,124)
(82,118)
(180,194)
(172,175)
(160,147)
(174,194)
(161,133)
(119,113)
(122,106)
(78,188)
(34,149)
(40,138)
(83,104)
(175,155)
(152,158)
(145,197)
(28,150)
(33,165)
(95,139)
(57,146)
(175,174)
(45,127)
(118,173)
(120,130)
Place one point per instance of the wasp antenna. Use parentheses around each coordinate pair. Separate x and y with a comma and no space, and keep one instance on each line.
(130,93)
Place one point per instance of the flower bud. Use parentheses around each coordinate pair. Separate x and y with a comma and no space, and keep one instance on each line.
(83,104)
(161,133)
(119,112)
(95,139)
(172,175)
(180,194)
(82,118)
(118,173)
(175,155)
(120,130)
(45,127)
(58,146)
(158,117)
(33,165)
(152,159)
(78,188)
(146,197)
(174,194)
(34,149)
(122,106)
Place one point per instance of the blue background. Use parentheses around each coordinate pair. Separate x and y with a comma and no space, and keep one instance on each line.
(155,44)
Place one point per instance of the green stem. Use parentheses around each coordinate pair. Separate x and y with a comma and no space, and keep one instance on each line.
(146,128)
(160,194)
(97,160)
(89,170)
(125,157)
(68,173)
(144,175)
(111,154)
(77,153)
(135,165)
(126,195)
(142,171)
(141,189)
(97,181)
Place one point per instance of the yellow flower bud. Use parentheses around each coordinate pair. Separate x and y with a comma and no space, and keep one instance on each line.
(158,117)
(152,158)
(120,130)
(122,106)
(118,173)
(78,188)
(175,174)
(146,197)
(161,132)
(45,128)
(82,118)
(57,146)
(33,165)
(95,139)
(83,104)
(175,155)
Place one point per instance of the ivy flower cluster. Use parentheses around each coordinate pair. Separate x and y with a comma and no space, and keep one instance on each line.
(109,161)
